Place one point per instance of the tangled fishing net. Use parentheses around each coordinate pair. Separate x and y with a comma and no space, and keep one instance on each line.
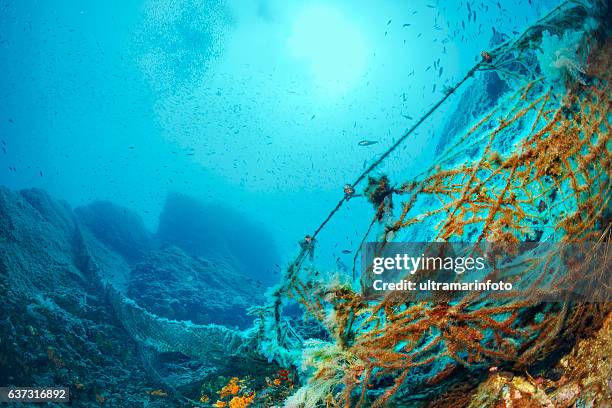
(535,167)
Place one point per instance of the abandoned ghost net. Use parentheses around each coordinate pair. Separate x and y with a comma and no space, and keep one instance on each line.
(535,167)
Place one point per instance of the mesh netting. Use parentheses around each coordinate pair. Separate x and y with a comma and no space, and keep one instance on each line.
(534,168)
(213,344)
(560,150)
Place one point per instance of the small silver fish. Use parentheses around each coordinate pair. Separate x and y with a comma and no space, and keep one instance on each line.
(367,142)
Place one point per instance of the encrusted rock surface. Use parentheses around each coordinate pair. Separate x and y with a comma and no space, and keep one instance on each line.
(174,285)
(582,378)
(58,325)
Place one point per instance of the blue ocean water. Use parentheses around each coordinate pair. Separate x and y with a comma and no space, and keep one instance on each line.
(256,106)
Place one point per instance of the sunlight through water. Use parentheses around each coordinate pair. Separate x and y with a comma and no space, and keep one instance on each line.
(333,47)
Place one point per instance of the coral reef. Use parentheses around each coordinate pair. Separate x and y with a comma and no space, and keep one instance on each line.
(56,323)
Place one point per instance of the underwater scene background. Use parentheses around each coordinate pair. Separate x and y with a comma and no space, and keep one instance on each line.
(186,189)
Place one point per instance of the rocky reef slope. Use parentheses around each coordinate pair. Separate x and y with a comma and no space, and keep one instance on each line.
(59,271)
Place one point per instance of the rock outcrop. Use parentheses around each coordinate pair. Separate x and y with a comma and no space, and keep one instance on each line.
(207,230)
(174,285)
(117,227)
(66,321)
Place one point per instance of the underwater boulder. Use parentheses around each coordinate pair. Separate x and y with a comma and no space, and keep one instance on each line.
(177,286)
(207,229)
(117,227)
(480,96)
(38,242)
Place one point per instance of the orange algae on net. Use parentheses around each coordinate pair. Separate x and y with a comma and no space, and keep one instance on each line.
(557,174)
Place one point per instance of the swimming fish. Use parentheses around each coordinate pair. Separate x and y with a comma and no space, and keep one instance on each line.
(346,251)
(341,265)
(367,142)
